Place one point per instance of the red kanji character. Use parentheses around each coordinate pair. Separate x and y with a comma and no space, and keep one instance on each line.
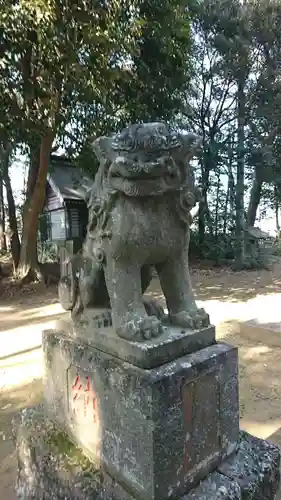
(76,388)
(90,394)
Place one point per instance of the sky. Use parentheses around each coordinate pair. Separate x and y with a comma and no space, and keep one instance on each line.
(17,176)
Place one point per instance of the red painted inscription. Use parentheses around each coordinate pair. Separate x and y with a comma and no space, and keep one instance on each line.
(84,401)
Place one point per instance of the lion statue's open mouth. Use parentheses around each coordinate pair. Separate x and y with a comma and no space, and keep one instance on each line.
(135,177)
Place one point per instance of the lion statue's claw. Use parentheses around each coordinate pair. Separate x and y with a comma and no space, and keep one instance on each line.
(193,319)
(140,329)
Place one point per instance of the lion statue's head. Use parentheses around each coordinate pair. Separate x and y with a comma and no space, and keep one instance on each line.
(142,160)
(146,160)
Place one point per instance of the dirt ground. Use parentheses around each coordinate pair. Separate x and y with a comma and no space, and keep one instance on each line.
(230,299)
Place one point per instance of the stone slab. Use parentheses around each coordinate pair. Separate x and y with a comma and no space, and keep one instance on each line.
(255,467)
(172,344)
(215,487)
(258,331)
(51,467)
(274,326)
(156,431)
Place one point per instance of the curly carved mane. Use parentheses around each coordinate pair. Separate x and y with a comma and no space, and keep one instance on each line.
(154,137)
(101,200)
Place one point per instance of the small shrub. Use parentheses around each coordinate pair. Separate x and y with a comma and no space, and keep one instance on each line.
(276,248)
(47,252)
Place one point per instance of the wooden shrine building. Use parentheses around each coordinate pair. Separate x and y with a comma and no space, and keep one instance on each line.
(64,218)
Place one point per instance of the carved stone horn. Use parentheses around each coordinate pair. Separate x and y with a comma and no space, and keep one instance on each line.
(102,147)
(191,145)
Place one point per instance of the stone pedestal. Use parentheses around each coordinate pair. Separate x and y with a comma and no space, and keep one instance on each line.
(50,467)
(172,344)
(157,431)
(142,427)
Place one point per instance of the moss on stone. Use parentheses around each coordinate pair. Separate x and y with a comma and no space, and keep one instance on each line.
(60,445)
(55,442)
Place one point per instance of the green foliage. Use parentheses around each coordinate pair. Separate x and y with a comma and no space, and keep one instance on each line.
(276,249)
(47,252)
(57,53)
(233,102)
(258,258)
(161,63)
(146,84)
(218,249)
(82,69)
(73,70)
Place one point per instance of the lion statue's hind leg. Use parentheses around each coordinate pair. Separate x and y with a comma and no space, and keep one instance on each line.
(176,285)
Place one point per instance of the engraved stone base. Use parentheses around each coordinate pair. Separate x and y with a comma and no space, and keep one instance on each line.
(50,467)
(173,343)
(157,431)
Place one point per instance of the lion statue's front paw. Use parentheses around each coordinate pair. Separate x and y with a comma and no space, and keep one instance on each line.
(194,319)
(139,329)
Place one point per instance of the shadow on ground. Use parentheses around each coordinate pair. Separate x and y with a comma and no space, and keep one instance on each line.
(32,319)
(209,284)
(226,285)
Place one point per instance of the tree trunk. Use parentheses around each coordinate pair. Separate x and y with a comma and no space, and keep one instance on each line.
(28,267)
(201,211)
(203,203)
(254,202)
(12,216)
(217,206)
(240,218)
(277,218)
(229,207)
(225,211)
(13,227)
(276,207)
(34,152)
(3,245)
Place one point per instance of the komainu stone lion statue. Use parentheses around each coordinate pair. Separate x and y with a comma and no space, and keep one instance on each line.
(139,218)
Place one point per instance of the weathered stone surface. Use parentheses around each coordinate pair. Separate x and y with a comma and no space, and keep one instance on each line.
(252,473)
(174,343)
(215,487)
(157,431)
(50,467)
(139,219)
(255,468)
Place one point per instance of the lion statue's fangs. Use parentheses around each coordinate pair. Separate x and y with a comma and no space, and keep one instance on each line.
(139,218)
